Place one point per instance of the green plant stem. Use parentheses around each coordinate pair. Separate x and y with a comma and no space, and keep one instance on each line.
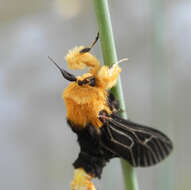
(110,57)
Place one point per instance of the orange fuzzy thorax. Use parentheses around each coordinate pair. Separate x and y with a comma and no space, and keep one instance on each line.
(83,104)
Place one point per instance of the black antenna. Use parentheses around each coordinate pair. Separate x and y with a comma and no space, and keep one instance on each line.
(87,49)
(94,42)
(65,74)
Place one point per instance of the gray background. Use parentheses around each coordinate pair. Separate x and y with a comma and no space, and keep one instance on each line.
(37,148)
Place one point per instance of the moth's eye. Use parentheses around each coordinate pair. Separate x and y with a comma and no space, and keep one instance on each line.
(92,81)
(80,83)
(85,81)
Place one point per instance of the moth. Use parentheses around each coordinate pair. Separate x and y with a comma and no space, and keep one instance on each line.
(93,113)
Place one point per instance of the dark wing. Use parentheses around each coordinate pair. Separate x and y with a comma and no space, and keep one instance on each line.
(138,144)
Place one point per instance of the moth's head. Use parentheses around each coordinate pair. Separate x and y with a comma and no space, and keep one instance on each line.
(100,76)
(86,80)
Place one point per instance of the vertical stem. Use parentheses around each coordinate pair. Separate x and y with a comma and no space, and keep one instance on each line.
(110,57)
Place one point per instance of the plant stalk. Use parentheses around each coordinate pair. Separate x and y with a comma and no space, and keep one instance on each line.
(110,57)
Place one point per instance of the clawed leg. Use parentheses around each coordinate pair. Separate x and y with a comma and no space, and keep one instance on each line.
(108,76)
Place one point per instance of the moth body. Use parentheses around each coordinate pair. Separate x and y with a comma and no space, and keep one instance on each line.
(93,114)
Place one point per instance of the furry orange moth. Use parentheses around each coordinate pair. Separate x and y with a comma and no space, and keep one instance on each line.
(93,114)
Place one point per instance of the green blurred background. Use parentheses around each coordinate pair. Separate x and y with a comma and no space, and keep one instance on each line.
(37,147)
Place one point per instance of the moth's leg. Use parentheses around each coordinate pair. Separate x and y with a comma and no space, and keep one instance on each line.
(108,76)
(113,103)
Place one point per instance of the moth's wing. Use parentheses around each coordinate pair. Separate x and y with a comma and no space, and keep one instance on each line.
(139,145)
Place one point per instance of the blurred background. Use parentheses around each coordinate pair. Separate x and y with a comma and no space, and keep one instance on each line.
(37,147)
